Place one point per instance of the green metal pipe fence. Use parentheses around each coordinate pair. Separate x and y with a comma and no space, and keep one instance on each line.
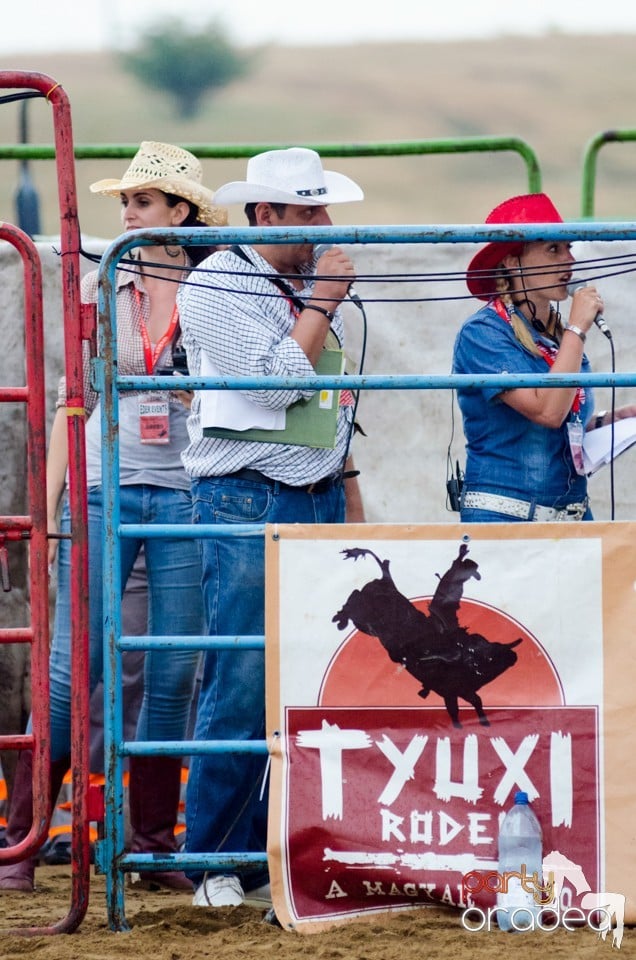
(396,148)
(590,158)
(232,151)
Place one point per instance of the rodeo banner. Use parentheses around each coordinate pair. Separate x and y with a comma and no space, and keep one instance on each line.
(417,678)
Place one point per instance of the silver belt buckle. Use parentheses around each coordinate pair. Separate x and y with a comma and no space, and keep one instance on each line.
(577,513)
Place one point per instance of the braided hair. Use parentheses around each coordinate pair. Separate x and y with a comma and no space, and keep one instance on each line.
(553,329)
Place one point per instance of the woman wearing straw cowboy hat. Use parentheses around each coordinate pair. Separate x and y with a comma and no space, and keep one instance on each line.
(161,188)
(524,445)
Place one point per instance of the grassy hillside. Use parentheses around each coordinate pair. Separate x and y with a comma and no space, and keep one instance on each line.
(554,92)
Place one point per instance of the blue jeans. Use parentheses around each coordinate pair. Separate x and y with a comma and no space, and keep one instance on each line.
(224,809)
(175,607)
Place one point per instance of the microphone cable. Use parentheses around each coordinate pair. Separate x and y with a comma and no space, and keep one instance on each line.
(355,299)
(612,431)
(599,321)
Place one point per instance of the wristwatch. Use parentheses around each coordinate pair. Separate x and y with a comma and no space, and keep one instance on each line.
(598,419)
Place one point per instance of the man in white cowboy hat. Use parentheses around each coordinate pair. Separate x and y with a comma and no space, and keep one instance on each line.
(258,311)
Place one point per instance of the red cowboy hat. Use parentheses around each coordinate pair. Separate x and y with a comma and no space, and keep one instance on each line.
(528,208)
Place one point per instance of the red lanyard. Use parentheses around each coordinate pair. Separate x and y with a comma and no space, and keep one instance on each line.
(295,312)
(549,354)
(151,357)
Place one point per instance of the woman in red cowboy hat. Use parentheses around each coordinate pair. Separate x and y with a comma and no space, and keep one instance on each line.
(524,444)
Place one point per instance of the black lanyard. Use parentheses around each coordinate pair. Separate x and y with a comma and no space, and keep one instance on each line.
(284,288)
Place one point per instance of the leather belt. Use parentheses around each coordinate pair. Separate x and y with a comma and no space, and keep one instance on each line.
(255,476)
(523,509)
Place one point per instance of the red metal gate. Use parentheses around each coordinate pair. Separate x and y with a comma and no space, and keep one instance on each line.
(33,526)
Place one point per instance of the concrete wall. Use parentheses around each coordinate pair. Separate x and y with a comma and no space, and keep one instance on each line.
(403,457)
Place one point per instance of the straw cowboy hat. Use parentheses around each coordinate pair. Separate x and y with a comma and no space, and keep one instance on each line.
(528,208)
(293,175)
(162,166)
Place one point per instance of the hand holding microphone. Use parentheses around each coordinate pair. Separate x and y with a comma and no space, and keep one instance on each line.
(599,320)
(321,248)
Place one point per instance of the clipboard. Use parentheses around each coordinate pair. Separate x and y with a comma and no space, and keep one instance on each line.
(308,423)
(602,445)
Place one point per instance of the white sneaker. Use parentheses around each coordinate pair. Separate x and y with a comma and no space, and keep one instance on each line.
(217,891)
(260,897)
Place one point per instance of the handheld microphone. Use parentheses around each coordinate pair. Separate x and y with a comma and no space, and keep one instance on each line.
(599,319)
(321,248)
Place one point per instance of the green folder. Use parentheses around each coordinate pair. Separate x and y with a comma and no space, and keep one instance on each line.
(308,423)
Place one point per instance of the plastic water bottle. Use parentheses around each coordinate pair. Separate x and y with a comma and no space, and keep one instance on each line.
(520,849)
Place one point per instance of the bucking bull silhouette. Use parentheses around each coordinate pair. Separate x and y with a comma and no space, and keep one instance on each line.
(433,648)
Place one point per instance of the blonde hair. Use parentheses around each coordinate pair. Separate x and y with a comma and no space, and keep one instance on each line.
(554,326)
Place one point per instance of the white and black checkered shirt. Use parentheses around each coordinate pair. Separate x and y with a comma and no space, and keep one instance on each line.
(243,322)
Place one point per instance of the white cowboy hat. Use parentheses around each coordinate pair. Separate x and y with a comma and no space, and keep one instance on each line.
(162,166)
(294,175)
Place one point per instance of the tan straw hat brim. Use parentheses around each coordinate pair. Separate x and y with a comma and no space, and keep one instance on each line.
(196,193)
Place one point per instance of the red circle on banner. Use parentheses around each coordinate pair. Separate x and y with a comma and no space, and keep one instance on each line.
(361,674)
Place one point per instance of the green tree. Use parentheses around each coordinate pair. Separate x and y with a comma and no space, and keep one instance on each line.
(186,63)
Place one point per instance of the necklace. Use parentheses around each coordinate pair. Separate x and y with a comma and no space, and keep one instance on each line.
(174,252)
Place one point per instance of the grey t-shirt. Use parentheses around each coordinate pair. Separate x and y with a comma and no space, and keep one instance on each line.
(157,464)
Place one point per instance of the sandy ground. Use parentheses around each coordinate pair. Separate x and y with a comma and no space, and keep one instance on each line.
(166,927)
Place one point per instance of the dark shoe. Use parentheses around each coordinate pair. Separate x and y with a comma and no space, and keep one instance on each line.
(20,876)
(271,918)
(57,851)
(153,796)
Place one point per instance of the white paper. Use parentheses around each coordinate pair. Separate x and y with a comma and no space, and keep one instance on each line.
(597,444)
(232,410)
